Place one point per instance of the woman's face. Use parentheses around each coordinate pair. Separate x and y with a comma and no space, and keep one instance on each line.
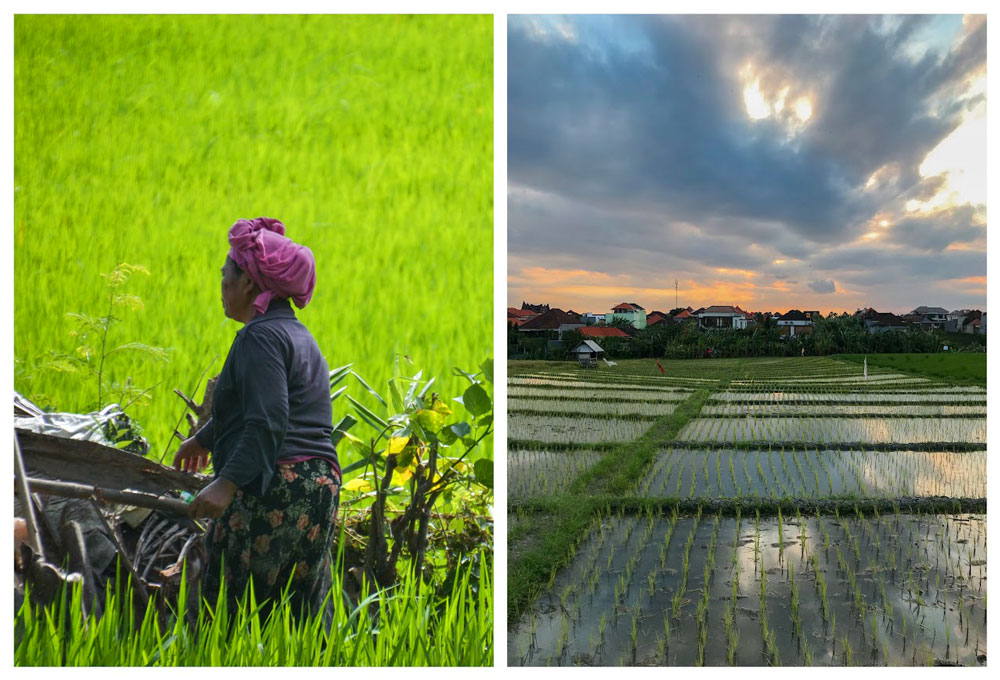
(238,293)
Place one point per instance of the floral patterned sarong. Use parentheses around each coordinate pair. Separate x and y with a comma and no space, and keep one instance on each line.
(287,532)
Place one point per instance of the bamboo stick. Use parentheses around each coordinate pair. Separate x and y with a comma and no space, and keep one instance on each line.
(161,503)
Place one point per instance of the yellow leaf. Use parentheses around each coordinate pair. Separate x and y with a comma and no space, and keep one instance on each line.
(442,408)
(401,477)
(396,445)
(358,484)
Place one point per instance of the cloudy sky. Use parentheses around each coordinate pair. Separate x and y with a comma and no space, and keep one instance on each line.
(771,162)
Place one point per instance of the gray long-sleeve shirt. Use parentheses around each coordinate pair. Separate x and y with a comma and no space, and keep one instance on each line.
(271,402)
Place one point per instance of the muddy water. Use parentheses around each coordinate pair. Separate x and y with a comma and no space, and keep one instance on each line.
(894,586)
(814,473)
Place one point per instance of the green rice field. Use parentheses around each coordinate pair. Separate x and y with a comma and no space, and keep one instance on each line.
(786,512)
(141,139)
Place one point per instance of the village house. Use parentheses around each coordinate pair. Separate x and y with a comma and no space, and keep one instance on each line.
(881,322)
(794,322)
(592,319)
(720,316)
(654,318)
(552,322)
(516,317)
(628,311)
(931,317)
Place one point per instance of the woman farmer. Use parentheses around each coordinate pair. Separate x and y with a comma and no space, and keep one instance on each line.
(273,501)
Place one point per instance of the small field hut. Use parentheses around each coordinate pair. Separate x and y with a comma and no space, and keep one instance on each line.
(588,352)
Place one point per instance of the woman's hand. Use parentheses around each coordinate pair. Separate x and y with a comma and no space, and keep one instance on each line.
(191,456)
(213,500)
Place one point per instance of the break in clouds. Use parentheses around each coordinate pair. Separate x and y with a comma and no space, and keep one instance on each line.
(766,161)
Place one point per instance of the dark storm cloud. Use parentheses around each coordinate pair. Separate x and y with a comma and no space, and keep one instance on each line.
(827,286)
(937,231)
(630,148)
(872,264)
(554,229)
(665,127)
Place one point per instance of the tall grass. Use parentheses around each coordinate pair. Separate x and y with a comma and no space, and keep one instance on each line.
(392,628)
(143,138)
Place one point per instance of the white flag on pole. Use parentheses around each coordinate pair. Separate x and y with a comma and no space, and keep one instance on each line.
(866,368)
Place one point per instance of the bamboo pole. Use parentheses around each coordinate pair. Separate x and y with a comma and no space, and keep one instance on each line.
(24,490)
(161,503)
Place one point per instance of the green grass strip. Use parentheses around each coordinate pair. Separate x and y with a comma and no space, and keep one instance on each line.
(967,368)
(530,572)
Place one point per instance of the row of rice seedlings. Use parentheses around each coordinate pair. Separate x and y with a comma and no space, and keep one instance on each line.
(585,429)
(539,473)
(937,395)
(552,381)
(730,409)
(893,378)
(806,473)
(828,430)
(590,407)
(598,393)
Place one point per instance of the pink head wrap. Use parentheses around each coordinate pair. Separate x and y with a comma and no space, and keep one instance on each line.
(279,266)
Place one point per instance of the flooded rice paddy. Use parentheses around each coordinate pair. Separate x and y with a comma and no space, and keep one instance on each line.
(836,587)
(586,406)
(807,590)
(573,429)
(828,430)
(814,473)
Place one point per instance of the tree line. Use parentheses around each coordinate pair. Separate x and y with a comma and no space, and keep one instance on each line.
(835,335)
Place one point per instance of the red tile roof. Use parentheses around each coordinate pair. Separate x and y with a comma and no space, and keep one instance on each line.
(521,313)
(602,332)
(552,319)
